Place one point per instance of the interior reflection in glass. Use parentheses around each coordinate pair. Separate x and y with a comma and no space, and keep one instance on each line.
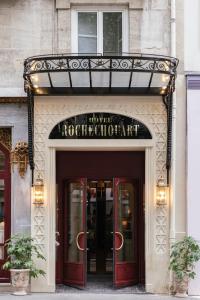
(100,226)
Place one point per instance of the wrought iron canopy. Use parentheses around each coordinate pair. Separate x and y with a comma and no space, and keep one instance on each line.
(127,74)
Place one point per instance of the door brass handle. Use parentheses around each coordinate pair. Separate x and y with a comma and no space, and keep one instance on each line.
(77,238)
(122,238)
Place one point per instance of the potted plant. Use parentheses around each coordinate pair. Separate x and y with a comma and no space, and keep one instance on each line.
(21,250)
(184,255)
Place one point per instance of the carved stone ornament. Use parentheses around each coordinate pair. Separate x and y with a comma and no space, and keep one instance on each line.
(19,156)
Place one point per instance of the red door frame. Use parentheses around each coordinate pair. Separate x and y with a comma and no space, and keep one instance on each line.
(74,273)
(70,158)
(126,273)
(5,174)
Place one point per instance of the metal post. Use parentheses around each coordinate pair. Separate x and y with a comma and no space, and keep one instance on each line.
(30,99)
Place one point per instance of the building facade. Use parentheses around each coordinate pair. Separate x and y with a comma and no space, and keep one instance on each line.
(104,125)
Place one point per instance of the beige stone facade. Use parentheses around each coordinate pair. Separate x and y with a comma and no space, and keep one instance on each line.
(150,112)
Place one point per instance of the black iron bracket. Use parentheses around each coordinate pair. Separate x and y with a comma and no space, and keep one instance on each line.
(168,102)
(30,101)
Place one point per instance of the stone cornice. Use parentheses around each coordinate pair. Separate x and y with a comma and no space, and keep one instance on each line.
(13,100)
(66,4)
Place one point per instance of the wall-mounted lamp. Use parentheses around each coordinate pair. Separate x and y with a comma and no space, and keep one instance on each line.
(38,191)
(162,192)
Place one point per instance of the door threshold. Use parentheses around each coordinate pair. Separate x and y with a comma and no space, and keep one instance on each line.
(101,288)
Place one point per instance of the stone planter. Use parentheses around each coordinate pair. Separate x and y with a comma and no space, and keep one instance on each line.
(20,281)
(181,287)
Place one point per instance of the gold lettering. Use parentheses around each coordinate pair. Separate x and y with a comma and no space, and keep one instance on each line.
(90,130)
(129,130)
(110,130)
(83,130)
(77,130)
(96,130)
(64,130)
(136,127)
(123,130)
(71,130)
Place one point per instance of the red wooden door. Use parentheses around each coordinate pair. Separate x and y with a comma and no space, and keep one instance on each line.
(4,207)
(75,233)
(125,232)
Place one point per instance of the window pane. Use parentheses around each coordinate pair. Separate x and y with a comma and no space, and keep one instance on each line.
(74,222)
(112,33)
(2,161)
(126,206)
(1,252)
(87,32)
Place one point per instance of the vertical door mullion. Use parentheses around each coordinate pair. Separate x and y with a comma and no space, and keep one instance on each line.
(115,226)
(100,31)
(85,227)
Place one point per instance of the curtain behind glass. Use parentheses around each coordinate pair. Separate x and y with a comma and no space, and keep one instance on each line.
(112,33)
(87,32)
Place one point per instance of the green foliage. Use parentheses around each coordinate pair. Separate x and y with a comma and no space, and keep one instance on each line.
(21,250)
(183,257)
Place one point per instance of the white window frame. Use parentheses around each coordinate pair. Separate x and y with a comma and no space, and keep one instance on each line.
(99,11)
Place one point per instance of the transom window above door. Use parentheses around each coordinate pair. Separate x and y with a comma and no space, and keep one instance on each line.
(99,32)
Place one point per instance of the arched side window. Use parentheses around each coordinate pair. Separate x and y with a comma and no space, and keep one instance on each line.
(5,210)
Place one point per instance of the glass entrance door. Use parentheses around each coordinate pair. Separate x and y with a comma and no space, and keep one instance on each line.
(101,231)
(75,233)
(125,232)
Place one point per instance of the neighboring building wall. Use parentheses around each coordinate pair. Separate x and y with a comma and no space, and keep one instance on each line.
(193,166)
(192,36)
(15,117)
(192,70)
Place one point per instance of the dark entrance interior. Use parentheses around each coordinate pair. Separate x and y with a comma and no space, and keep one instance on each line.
(100,170)
(99,227)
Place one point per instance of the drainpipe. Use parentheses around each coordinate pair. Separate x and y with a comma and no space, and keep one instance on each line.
(173,166)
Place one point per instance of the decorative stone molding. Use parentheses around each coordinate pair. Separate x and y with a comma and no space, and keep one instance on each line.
(13,100)
(5,138)
(62,4)
(39,227)
(19,156)
(47,115)
(66,4)
(161,230)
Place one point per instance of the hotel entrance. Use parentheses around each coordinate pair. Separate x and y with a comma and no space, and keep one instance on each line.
(100,220)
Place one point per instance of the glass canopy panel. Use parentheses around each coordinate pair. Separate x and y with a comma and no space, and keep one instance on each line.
(120,79)
(112,33)
(87,32)
(100,79)
(160,80)
(60,79)
(80,79)
(140,79)
(40,80)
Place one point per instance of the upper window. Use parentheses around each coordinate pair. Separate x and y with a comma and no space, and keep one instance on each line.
(103,32)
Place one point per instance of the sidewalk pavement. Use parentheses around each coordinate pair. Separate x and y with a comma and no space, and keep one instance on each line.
(89,296)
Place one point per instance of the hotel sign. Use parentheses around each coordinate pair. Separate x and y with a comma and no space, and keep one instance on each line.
(100,126)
